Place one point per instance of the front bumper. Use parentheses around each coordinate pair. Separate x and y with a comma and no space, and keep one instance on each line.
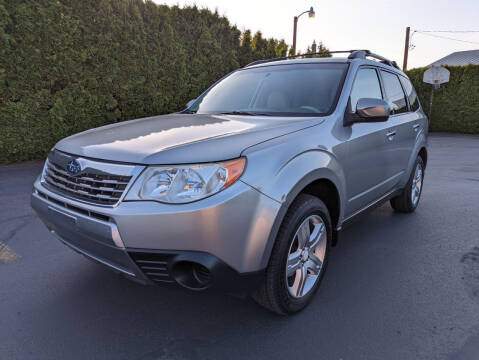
(227,234)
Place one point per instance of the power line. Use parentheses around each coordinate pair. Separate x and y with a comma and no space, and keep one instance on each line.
(433,33)
(445,37)
(448,31)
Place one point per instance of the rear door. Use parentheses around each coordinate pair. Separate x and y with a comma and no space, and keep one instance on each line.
(401,138)
(416,119)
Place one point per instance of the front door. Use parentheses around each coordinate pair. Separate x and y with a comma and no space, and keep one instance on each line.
(368,145)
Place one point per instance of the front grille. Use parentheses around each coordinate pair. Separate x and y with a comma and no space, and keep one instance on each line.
(153,265)
(74,208)
(97,188)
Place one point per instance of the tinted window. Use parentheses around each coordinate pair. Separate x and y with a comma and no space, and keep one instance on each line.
(394,93)
(289,90)
(410,93)
(366,85)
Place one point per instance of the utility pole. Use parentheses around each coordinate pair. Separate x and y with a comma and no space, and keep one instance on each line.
(294,34)
(406,49)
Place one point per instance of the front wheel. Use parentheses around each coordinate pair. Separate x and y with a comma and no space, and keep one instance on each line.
(407,201)
(299,257)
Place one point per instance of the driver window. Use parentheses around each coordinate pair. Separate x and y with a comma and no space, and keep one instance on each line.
(366,85)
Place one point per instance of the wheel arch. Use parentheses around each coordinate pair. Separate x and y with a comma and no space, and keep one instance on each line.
(325,190)
(319,184)
(423,154)
(420,149)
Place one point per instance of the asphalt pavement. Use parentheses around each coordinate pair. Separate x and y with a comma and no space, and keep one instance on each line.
(397,287)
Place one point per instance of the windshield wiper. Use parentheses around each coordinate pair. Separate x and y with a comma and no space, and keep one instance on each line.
(249,113)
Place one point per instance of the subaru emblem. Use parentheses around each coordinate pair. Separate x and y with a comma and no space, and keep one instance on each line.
(74,167)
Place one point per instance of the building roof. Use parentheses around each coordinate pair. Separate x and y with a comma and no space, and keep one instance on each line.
(459,58)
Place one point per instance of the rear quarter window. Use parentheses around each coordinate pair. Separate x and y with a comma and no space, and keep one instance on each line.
(410,93)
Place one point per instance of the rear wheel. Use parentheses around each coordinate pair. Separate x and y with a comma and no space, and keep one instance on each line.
(408,200)
(299,257)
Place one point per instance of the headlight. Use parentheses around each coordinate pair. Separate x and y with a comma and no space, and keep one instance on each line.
(44,171)
(185,183)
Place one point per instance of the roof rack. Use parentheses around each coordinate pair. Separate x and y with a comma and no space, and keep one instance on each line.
(363,54)
(353,54)
(297,56)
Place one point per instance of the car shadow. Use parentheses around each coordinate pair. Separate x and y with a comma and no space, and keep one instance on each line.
(123,319)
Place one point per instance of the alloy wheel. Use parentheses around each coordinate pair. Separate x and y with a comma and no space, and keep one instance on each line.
(306,256)
(416,184)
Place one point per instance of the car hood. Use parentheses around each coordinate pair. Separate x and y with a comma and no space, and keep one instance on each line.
(180,138)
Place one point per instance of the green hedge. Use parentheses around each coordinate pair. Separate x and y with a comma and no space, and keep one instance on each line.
(69,65)
(456,103)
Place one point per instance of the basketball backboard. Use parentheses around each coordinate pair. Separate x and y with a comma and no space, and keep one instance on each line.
(436,75)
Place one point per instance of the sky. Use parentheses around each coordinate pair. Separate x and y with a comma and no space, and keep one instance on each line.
(377,25)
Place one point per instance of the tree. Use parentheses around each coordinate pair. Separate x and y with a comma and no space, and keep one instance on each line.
(245,53)
(321,50)
(281,48)
(69,65)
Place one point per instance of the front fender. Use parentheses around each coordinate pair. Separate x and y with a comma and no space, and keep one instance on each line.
(281,174)
(289,179)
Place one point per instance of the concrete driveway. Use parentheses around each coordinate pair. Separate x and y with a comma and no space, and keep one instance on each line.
(398,287)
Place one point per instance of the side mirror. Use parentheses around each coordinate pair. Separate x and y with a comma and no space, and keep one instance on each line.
(369,110)
(372,109)
(189,103)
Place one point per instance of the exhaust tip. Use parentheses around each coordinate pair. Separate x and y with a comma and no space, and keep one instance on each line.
(192,275)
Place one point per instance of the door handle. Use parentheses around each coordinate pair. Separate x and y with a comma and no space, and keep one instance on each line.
(416,127)
(390,134)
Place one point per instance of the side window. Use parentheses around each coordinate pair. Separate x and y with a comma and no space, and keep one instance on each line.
(394,93)
(410,93)
(366,85)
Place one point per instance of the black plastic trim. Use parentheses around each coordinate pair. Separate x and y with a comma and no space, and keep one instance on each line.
(294,192)
(223,276)
(368,208)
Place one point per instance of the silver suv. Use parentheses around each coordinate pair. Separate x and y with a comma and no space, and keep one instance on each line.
(248,187)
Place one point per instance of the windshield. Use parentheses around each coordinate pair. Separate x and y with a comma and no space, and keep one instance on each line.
(282,90)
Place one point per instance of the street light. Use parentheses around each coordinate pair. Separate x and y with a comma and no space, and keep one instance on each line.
(311,15)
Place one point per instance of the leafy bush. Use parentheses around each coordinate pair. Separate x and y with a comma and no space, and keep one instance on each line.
(456,104)
(68,65)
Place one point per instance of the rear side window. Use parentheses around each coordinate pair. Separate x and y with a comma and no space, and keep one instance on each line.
(410,93)
(366,85)
(394,93)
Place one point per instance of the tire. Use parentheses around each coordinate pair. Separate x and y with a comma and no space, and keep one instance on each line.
(283,294)
(404,202)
